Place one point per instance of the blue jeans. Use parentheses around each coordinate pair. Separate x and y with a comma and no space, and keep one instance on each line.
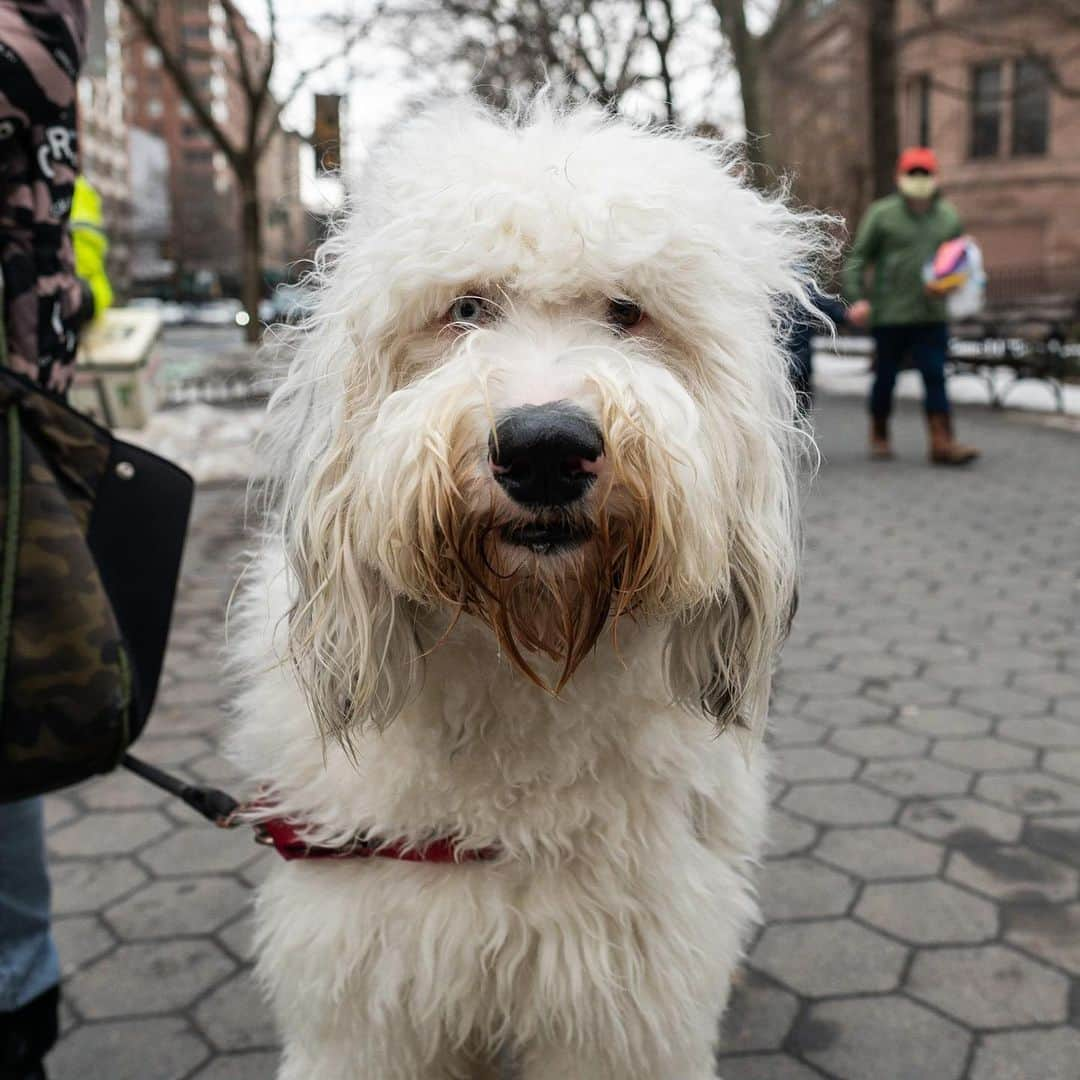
(927,344)
(28,962)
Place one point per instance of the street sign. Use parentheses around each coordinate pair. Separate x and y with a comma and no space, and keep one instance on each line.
(327,136)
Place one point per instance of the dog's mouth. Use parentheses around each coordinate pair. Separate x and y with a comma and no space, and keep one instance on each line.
(546,539)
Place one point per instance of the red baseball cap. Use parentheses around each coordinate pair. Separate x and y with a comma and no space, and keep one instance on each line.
(917,157)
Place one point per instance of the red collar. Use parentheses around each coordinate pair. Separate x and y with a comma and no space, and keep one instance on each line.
(284,836)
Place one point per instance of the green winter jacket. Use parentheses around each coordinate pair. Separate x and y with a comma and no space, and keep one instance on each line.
(896,243)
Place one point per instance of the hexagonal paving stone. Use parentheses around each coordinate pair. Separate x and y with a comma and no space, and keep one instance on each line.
(80,939)
(1043,731)
(802,888)
(928,912)
(200,849)
(1017,659)
(788,835)
(179,906)
(1064,763)
(814,763)
(918,776)
(880,852)
(985,754)
(805,658)
(758,1015)
(820,684)
(1029,792)
(902,692)
(86,886)
(829,957)
(108,833)
(877,665)
(944,721)
(1002,871)
(764,1067)
(840,803)
(963,675)
(845,712)
(148,978)
(236,1016)
(1056,684)
(854,1039)
(158,1049)
(239,938)
(1050,931)
(1024,1055)
(121,790)
(879,741)
(789,730)
(59,810)
(960,819)
(1056,836)
(992,986)
(171,752)
(1003,704)
(250,1066)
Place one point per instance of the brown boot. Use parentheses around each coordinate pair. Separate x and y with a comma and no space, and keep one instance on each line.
(880,447)
(944,449)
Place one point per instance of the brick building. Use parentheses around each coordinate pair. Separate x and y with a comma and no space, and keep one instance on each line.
(103,135)
(205,217)
(992,85)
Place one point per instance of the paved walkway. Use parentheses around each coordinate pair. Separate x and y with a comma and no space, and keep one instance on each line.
(922,894)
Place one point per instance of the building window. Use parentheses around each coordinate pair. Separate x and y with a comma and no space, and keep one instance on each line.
(986,110)
(154,107)
(1031,108)
(919,110)
(151,57)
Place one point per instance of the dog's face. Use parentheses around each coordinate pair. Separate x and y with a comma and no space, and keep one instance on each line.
(546,394)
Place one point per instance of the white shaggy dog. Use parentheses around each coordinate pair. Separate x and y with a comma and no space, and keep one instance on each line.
(534,470)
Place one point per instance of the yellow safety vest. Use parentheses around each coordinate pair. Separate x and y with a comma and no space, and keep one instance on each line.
(90,243)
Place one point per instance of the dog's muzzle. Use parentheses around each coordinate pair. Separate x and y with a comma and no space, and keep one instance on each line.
(545,458)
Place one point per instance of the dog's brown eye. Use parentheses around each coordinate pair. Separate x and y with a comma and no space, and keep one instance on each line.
(624,313)
(470,309)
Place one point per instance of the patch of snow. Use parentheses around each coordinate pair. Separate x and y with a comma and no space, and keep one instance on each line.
(212,443)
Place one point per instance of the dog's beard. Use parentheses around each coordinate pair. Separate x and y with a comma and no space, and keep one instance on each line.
(540,598)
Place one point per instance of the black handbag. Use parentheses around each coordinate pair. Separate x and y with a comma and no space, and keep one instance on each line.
(91,536)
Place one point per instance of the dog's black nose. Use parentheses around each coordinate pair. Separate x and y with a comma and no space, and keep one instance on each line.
(540,454)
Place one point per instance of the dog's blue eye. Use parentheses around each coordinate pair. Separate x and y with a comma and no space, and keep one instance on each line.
(470,309)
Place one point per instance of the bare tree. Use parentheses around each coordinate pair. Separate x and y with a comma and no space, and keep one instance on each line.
(748,48)
(620,53)
(252,69)
(881,71)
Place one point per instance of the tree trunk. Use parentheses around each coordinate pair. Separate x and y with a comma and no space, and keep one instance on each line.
(251,240)
(746,54)
(884,128)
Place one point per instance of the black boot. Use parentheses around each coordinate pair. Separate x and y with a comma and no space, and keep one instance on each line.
(27,1035)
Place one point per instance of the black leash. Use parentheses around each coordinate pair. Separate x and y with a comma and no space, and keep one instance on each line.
(216,806)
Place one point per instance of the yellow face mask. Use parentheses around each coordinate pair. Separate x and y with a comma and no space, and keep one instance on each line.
(917,187)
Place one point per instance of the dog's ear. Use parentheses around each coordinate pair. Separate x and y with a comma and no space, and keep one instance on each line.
(720,656)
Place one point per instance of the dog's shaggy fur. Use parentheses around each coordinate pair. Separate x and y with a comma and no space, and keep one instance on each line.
(593,712)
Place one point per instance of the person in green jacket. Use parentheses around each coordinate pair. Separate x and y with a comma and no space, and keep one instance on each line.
(897,236)
(90,243)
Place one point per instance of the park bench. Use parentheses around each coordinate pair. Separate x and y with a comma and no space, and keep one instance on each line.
(1039,341)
